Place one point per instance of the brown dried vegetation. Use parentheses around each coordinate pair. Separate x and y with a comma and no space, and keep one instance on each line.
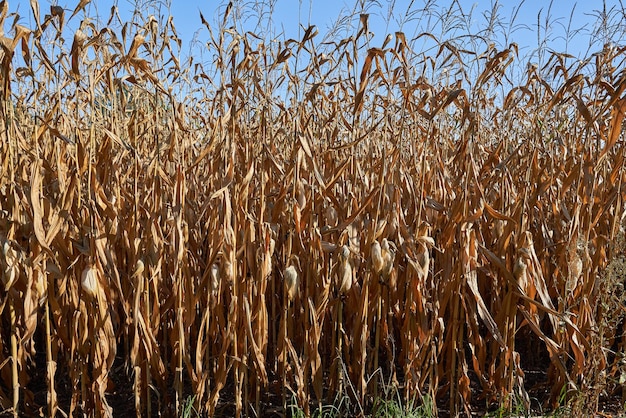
(302,218)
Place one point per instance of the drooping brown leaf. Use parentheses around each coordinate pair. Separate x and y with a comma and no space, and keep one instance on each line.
(35,199)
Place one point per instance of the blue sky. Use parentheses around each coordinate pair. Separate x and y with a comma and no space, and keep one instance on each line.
(289,15)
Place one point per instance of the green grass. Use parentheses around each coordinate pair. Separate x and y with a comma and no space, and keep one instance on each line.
(188,410)
(395,409)
(384,407)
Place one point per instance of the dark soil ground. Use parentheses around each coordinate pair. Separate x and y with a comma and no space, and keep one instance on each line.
(534,363)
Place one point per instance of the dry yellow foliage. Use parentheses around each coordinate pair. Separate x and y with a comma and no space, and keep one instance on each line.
(303,219)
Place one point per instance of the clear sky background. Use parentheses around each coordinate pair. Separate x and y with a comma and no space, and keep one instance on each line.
(290,15)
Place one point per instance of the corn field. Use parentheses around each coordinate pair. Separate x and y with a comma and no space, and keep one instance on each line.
(275,222)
